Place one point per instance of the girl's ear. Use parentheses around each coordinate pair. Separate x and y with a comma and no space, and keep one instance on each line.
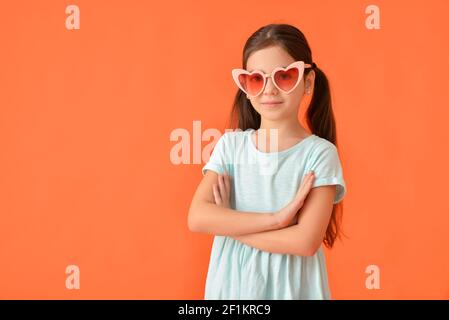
(310,80)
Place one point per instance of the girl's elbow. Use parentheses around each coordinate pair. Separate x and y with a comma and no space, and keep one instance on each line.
(305,252)
(313,249)
(191,225)
(308,249)
(311,252)
(192,221)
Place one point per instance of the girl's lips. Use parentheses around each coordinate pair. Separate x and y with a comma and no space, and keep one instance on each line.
(271,103)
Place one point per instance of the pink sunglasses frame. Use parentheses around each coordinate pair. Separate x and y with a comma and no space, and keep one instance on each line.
(300,65)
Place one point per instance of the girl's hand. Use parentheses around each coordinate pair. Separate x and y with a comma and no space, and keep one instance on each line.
(222,191)
(288,215)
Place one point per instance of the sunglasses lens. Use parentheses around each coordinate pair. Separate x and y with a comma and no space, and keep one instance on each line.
(251,83)
(286,80)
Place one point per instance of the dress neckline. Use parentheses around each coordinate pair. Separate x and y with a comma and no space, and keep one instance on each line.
(282,152)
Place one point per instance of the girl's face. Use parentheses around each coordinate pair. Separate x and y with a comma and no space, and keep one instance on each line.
(266,60)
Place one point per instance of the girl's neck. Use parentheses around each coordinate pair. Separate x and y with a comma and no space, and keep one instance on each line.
(284,130)
(287,135)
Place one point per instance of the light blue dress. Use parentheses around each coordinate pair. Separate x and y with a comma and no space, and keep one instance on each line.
(266,182)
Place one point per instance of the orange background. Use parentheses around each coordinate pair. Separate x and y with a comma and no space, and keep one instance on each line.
(86,116)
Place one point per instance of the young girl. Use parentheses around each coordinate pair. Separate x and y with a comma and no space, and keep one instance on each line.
(270,188)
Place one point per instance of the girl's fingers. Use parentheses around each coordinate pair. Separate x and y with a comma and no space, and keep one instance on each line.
(308,180)
(305,186)
(227,182)
(308,177)
(216,194)
(222,186)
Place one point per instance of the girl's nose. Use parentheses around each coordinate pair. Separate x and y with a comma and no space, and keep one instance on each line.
(270,87)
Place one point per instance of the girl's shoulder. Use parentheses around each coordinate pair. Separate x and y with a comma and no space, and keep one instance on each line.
(321,148)
(321,143)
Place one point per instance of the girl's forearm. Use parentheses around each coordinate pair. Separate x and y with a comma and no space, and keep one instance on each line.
(284,241)
(213,219)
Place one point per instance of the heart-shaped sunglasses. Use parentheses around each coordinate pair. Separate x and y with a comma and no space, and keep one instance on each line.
(285,79)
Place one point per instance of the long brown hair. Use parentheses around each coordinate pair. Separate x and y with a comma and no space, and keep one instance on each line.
(319,115)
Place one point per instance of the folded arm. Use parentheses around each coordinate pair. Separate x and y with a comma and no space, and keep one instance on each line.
(207,217)
(303,238)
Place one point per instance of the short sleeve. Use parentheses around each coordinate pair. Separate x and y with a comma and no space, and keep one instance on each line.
(326,165)
(217,160)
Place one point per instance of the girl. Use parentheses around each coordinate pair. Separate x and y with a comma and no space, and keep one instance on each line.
(268,232)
